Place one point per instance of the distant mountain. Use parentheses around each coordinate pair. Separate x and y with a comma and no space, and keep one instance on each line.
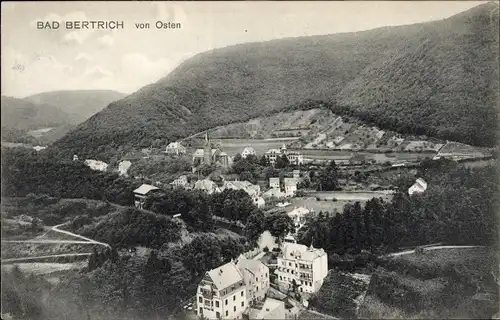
(437,78)
(79,104)
(55,113)
(24,115)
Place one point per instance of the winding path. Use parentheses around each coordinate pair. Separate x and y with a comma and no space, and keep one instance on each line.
(84,240)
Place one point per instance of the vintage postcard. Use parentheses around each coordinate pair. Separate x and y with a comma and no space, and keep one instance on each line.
(249,160)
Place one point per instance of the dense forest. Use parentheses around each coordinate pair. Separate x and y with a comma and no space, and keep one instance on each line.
(437,78)
(459,207)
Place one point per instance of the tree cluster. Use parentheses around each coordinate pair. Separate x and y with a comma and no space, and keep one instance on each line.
(24,172)
(458,207)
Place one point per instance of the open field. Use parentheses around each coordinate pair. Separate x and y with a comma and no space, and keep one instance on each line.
(317,206)
(234,146)
(351,195)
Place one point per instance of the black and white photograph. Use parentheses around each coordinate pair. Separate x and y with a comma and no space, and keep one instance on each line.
(250,160)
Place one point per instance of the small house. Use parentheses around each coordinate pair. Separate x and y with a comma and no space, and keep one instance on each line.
(141,193)
(248,151)
(274,183)
(290,186)
(418,187)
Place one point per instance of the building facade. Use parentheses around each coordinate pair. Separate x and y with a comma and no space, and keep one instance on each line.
(175,148)
(306,267)
(256,277)
(274,183)
(182,182)
(290,186)
(248,151)
(222,293)
(294,157)
(141,193)
(209,155)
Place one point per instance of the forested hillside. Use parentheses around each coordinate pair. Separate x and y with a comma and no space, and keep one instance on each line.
(437,78)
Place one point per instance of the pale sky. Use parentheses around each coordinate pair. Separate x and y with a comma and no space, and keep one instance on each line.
(35,61)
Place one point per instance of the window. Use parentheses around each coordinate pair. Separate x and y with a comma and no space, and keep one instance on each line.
(281,278)
(242,293)
(226,305)
(234,308)
(242,304)
(217,314)
(216,304)
(200,299)
(289,264)
(234,298)
(201,310)
(266,274)
(227,313)
(257,288)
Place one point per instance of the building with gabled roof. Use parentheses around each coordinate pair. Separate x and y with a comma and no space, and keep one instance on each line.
(209,155)
(175,148)
(248,151)
(141,193)
(253,190)
(206,185)
(222,293)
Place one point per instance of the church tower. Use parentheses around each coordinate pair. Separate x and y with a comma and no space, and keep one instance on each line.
(207,150)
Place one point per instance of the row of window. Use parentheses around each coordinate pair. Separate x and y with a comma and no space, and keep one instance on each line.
(300,265)
(200,299)
(306,283)
(217,313)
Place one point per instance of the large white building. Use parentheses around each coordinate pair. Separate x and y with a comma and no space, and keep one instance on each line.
(294,157)
(307,266)
(227,291)
(222,293)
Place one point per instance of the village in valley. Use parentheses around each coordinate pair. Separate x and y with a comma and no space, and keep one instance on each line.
(317,172)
